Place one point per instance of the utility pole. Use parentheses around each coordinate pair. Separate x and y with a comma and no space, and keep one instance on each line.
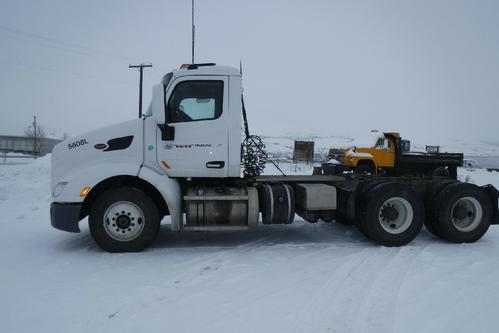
(34,131)
(193,31)
(141,69)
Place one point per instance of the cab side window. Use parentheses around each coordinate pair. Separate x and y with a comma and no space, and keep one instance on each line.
(195,100)
(383,144)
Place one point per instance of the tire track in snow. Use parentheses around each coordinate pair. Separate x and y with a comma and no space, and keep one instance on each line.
(329,293)
(379,308)
(348,301)
(197,267)
(313,273)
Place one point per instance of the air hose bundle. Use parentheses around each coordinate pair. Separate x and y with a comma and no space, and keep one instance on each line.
(253,154)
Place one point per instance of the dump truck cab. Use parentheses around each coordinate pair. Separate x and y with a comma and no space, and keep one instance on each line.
(380,155)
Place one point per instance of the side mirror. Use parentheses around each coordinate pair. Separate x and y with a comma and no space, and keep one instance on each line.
(167,132)
(158,104)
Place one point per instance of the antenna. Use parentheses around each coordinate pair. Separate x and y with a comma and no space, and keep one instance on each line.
(141,69)
(193,31)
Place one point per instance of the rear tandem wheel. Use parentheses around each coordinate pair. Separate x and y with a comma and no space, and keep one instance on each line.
(461,213)
(392,214)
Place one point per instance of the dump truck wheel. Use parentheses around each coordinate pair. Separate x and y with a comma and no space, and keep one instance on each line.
(394,214)
(124,220)
(463,213)
(364,169)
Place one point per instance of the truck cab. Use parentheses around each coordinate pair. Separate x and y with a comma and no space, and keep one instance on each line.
(371,159)
(192,128)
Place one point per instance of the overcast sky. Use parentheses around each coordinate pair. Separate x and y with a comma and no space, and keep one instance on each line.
(426,68)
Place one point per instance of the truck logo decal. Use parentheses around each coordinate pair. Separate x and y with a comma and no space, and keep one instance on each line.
(169,146)
(77,143)
(100,146)
(119,143)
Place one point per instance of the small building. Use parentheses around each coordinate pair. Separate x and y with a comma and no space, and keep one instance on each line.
(303,151)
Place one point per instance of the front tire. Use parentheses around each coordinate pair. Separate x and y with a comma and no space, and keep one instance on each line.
(364,169)
(124,219)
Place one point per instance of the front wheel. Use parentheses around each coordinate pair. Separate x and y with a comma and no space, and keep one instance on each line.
(124,219)
(364,169)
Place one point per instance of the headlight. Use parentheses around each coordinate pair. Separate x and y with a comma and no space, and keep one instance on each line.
(59,188)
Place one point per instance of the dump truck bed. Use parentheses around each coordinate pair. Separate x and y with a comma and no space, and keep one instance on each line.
(437,159)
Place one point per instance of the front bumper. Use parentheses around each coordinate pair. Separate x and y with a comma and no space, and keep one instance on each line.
(65,216)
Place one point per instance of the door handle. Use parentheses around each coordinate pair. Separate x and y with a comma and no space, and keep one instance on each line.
(215,164)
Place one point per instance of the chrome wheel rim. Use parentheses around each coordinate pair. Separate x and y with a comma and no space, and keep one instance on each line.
(123,221)
(466,214)
(395,215)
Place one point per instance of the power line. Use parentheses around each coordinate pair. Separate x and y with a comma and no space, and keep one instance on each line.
(43,44)
(48,69)
(66,45)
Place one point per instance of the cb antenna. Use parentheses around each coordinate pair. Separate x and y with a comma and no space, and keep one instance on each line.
(193,32)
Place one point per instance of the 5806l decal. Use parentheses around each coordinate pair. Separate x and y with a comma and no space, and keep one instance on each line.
(77,143)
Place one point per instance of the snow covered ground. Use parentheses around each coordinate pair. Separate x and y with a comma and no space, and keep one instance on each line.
(298,278)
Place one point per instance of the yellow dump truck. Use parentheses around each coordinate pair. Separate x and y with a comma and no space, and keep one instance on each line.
(391,155)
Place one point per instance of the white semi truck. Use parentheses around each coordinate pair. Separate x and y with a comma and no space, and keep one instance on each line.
(188,158)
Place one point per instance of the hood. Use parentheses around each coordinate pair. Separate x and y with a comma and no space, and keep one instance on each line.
(122,141)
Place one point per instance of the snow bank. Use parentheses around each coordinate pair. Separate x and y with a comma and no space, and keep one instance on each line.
(297,278)
(479,177)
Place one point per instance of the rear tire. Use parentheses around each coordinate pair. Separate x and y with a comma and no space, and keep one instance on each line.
(462,213)
(124,219)
(393,214)
(431,204)
(360,206)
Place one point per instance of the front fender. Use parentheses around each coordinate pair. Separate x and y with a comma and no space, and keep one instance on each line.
(90,176)
(171,192)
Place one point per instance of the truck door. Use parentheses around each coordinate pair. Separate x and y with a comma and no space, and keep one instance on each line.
(384,153)
(197,108)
